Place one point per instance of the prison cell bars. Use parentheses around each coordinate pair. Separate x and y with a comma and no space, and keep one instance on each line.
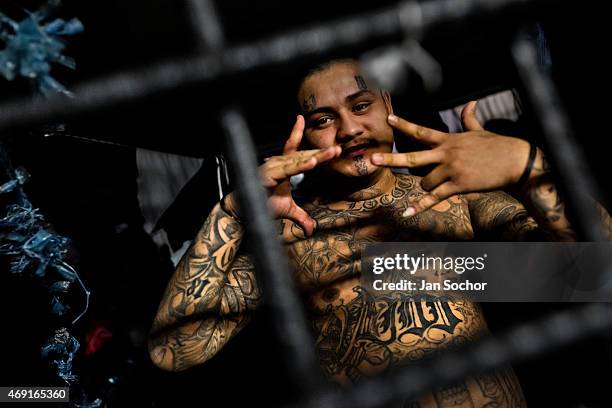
(132,85)
(520,343)
(407,17)
(523,342)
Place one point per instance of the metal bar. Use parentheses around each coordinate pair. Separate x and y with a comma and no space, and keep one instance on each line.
(567,158)
(205,23)
(407,17)
(522,342)
(281,294)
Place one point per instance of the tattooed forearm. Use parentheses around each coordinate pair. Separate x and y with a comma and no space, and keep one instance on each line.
(207,299)
(498,216)
(544,203)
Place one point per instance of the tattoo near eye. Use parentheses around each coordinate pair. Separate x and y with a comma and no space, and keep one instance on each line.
(309,103)
(361,84)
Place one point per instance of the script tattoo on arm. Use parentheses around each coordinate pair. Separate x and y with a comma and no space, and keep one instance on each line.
(208,299)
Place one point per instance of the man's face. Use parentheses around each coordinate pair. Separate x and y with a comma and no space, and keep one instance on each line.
(341,108)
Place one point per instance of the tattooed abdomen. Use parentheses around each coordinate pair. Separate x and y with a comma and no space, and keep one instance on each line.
(360,334)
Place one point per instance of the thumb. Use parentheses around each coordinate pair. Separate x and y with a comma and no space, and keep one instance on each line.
(301,217)
(468,117)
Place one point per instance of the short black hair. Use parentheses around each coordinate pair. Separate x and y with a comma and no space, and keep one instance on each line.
(320,67)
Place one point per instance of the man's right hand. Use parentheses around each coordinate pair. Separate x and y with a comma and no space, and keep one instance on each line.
(277,170)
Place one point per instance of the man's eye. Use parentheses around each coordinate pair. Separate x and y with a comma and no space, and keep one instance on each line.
(361,106)
(322,121)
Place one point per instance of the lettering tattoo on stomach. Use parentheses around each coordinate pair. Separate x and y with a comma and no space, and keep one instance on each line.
(368,334)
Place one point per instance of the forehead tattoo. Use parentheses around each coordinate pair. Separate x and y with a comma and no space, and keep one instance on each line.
(309,103)
(361,84)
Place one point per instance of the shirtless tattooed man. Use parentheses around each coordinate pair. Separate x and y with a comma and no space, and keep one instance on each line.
(343,141)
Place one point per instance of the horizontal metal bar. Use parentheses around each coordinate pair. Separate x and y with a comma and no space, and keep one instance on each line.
(522,342)
(407,17)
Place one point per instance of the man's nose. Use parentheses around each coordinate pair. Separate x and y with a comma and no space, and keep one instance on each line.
(349,128)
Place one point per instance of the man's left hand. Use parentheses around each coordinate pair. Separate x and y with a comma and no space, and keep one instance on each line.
(475,160)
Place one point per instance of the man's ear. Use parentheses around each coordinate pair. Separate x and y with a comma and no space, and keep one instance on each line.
(386,97)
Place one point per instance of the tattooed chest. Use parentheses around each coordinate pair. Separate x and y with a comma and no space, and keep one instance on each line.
(333,253)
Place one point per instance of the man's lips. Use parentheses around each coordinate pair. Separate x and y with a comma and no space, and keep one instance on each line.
(356,150)
(359,152)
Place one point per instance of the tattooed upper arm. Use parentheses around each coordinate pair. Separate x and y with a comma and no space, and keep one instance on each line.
(497,215)
(185,334)
(207,299)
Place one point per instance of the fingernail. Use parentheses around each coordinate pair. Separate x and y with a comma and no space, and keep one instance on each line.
(392,119)
(377,158)
(409,212)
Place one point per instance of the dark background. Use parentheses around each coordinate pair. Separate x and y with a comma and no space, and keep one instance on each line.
(87,190)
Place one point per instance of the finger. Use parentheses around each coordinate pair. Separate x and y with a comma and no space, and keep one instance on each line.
(300,155)
(411,159)
(442,192)
(275,175)
(468,117)
(276,161)
(423,134)
(292,144)
(301,217)
(327,154)
(436,177)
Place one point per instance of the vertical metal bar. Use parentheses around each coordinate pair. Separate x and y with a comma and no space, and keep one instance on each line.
(566,155)
(206,25)
(281,295)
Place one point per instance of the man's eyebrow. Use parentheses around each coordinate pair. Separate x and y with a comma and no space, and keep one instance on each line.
(323,109)
(349,98)
(356,95)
